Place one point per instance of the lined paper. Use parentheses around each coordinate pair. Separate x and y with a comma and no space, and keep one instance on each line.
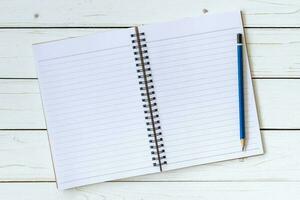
(194,68)
(93,108)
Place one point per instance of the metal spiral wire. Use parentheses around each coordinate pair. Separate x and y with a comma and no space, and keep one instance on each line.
(149,99)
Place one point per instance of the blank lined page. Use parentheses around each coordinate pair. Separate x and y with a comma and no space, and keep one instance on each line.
(93,108)
(194,67)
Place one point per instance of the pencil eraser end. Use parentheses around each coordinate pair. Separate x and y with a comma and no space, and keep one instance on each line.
(239,38)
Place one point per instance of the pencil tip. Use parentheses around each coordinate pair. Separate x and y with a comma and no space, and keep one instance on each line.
(243,144)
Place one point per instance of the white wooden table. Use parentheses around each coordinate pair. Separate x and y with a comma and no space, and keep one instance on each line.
(273,37)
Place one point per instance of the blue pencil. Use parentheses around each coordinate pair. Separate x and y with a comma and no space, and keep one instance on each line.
(241,90)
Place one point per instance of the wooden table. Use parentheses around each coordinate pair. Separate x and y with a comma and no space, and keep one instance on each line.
(273,37)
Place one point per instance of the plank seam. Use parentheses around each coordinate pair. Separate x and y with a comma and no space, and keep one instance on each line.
(170,181)
(41,129)
(123,27)
(262,129)
(253,78)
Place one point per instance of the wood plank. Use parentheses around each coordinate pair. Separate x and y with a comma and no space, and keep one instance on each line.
(34,13)
(150,191)
(21,105)
(26,157)
(273,52)
(278,104)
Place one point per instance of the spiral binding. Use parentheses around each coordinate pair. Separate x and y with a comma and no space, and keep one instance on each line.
(149,99)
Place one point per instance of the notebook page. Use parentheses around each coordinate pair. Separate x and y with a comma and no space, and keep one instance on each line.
(194,68)
(93,108)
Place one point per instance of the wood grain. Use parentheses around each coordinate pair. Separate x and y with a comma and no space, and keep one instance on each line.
(25,155)
(20,105)
(112,13)
(272,52)
(277,101)
(154,190)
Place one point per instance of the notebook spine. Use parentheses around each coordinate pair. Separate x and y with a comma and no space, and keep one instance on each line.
(149,99)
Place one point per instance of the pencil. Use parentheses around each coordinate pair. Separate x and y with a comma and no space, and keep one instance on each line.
(241,90)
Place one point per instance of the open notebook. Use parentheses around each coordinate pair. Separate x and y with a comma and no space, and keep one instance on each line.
(145,99)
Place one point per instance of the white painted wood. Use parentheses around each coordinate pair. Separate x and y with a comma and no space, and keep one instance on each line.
(156,190)
(25,156)
(273,52)
(278,103)
(20,105)
(277,100)
(108,13)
